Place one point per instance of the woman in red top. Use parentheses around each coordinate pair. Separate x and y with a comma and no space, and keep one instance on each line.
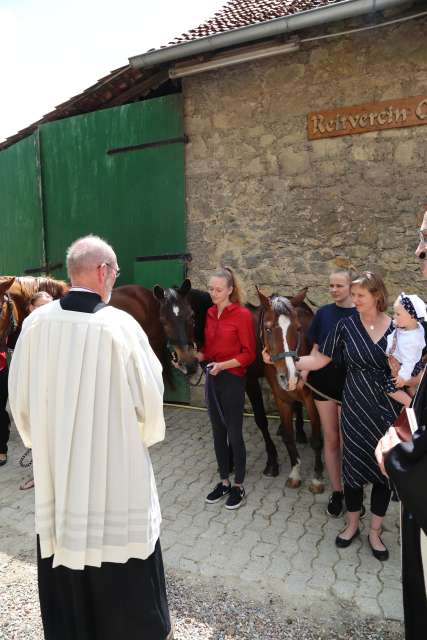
(229,348)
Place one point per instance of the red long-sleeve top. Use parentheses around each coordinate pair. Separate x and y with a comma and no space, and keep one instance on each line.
(230,336)
(3,360)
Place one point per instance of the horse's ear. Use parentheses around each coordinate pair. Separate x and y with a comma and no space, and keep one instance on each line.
(185,287)
(263,299)
(6,283)
(299,297)
(158,292)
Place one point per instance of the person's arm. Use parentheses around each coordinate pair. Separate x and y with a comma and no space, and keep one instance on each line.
(304,374)
(144,374)
(313,362)
(406,465)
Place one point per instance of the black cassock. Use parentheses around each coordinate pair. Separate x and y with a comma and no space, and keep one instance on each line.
(406,465)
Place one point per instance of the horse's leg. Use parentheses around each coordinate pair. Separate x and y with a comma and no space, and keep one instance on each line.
(300,436)
(254,393)
(285,410)
(317,484)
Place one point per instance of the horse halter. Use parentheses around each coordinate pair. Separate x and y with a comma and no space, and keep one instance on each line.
(282,355)
(12,324)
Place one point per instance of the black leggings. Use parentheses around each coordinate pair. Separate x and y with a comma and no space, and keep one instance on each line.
(380,498)
(4,416)
(225,397)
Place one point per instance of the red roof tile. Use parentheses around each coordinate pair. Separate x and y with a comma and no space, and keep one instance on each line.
(241,13)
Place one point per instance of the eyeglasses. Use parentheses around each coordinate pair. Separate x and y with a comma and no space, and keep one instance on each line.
(107,264)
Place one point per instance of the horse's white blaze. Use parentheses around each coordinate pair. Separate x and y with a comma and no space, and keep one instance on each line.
(295,473)
(175,309)
(284,323)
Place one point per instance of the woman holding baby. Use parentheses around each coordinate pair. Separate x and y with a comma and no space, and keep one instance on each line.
(360,341)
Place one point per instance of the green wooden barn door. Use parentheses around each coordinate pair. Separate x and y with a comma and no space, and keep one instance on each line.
(119,173)
(22,242)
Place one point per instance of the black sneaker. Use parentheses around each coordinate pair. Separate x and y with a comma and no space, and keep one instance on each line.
(236,498)
(335,507)
(218,493)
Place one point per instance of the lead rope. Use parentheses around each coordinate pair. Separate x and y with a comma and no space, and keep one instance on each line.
(22,462)
(319,393)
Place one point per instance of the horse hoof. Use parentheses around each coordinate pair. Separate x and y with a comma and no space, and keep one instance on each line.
(300,437)
(271,470)
(316,486)
(293,484)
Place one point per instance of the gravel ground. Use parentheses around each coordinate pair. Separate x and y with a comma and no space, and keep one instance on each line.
(202,610)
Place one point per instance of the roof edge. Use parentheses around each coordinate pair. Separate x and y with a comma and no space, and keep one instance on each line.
(250,33)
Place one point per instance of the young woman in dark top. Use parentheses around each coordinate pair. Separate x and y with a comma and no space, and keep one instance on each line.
(229,348)
(330,381)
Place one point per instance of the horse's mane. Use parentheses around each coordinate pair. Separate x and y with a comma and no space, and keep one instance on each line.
(29,285)
(280,304)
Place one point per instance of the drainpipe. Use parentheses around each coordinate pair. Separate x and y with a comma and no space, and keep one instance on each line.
(278,26)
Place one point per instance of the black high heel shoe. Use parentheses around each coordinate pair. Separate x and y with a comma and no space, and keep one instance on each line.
(378,554)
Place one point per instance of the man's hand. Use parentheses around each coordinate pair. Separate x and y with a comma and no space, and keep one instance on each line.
(387,442)
(266,356)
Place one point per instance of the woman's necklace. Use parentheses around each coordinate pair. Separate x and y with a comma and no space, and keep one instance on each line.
(371,325)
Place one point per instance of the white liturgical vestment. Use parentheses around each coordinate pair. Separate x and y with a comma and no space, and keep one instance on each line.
(86,393)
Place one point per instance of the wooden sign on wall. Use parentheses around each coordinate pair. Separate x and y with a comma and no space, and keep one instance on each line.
(391,114)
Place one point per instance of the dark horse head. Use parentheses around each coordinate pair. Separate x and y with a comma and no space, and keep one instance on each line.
(282,335)
(177,319)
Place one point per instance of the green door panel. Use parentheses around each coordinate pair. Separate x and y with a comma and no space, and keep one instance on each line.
(134,199)
(166,273)
(20,206)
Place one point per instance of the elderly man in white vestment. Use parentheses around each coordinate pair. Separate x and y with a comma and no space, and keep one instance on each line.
(86,393)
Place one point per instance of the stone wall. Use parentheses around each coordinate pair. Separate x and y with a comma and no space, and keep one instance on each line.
(281,208)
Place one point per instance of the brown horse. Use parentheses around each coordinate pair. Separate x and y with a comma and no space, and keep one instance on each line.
(151,312)
(165,319)
(15,295)
(200,301)
(282,327)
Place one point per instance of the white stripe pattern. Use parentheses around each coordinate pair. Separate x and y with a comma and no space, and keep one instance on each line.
(367,410)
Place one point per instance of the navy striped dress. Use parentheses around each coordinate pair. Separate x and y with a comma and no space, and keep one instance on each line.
(367,410)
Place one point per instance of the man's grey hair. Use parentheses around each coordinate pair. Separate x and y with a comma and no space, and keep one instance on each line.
(88,253)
